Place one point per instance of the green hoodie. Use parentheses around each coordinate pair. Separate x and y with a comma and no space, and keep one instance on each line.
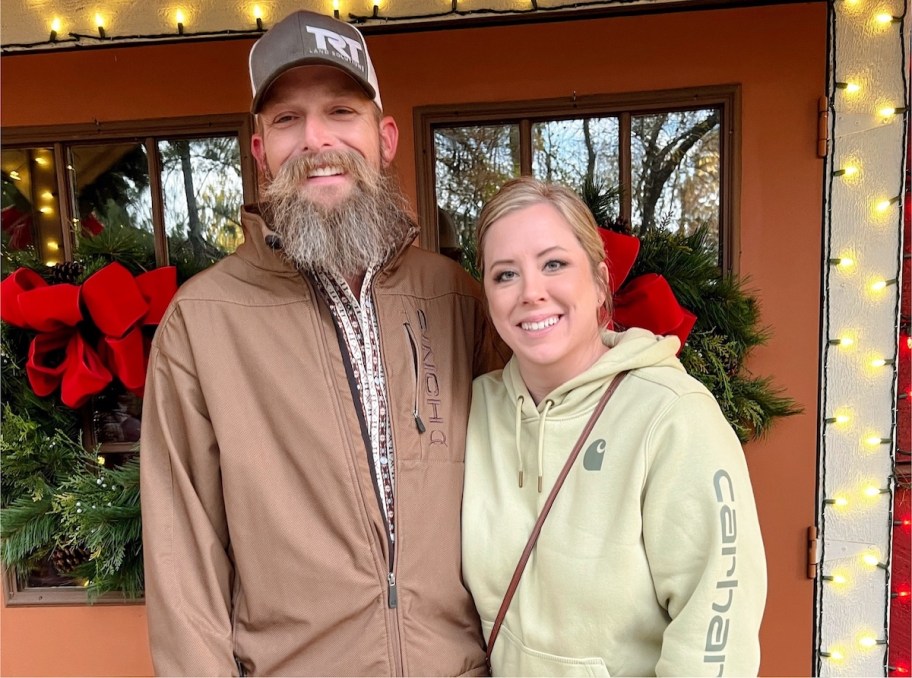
(651,560)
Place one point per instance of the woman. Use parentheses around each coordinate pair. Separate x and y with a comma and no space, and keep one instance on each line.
(651,560)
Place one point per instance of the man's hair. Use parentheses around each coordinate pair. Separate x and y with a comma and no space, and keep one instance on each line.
(518,194)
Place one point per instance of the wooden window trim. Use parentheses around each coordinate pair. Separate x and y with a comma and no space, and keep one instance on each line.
(427,118)
(146,132)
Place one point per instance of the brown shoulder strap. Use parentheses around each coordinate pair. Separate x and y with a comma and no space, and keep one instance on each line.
(527,552)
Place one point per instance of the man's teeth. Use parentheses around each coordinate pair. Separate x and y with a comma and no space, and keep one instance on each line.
(540,325)
(324,172)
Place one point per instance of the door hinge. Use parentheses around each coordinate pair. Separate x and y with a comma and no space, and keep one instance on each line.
(823,126)
(812,555)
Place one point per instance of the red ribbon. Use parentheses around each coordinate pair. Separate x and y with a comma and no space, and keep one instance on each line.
(112,301)
(647,301)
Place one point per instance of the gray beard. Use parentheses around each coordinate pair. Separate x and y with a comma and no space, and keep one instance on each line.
(363,230)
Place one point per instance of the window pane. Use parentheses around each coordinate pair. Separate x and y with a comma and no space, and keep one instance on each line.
(577,152)
(112,195)
(201,183)
(472,163)
(675,170)
(30,205)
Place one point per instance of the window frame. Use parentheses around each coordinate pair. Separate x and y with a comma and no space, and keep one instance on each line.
(427,119)
(147,132)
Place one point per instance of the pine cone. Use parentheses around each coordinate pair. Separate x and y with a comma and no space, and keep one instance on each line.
(68,558)
(66,272)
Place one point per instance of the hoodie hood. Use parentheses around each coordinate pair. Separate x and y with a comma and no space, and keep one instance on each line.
(631,350)
(634,349)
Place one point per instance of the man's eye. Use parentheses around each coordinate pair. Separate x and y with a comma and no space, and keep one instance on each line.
(342,111)
(281,119)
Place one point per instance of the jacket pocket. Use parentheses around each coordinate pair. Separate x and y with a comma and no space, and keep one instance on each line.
(513,658)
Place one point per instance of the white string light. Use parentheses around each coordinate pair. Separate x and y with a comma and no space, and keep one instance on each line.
(869,108)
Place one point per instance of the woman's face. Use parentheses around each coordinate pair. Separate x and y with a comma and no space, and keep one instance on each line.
(542,296)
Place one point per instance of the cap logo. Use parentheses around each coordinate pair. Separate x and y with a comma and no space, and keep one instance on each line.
(345,47)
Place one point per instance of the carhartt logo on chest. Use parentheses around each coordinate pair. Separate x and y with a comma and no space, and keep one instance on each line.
(595,455)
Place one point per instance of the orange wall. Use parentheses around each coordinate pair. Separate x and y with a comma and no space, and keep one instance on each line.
(776,53)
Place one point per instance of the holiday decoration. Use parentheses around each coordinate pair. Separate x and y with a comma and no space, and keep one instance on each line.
(645,301)
(88,335)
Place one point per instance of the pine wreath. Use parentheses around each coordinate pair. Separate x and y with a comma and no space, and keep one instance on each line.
(66,516)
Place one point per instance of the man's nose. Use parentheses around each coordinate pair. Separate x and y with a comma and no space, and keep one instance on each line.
(316,135)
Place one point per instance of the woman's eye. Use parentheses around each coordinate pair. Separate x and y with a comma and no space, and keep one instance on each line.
(555,265)
(504,276)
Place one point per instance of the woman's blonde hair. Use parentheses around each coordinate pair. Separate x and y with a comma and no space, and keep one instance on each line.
(518,194)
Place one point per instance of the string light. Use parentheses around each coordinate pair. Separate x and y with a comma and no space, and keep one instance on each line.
(871,641)
(840,419)
(14,175)
(376,11)
(55,29)
(879,285)
(885,19)
(884,205)
(873,561)
(875,441)
(881,362)
(336,8)
(101,460)
(874,491)
(52,245)
(833,654)
(849,87)
(847,171)
(890,111)
(258,16)
(842,262)
(834,578)
(179,18)
(99,23)
(841,502)
(844,342)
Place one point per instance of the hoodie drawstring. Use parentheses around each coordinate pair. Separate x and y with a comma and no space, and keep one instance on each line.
(519,404)
(541,443)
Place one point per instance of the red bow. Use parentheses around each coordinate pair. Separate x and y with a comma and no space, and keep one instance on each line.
(111,303)
(646,301)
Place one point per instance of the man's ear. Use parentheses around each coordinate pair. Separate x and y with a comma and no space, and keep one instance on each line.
(258,148)
(389,140)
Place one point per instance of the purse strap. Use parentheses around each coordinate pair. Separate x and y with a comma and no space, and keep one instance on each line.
(527,552)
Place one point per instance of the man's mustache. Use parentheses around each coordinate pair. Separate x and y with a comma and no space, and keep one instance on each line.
(300,167)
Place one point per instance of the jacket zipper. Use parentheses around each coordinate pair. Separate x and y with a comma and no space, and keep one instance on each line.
(417,364)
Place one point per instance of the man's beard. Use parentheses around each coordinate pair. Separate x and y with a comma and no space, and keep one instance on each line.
(345,239)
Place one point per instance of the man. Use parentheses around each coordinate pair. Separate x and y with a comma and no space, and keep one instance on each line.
(305,413)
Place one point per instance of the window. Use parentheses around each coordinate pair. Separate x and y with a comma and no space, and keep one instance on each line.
(169,191)
(650,160)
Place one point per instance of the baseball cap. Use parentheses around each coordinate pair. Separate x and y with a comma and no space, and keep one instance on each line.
(305,38)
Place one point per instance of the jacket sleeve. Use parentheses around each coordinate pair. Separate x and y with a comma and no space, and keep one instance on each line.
(188,573)
(703,542)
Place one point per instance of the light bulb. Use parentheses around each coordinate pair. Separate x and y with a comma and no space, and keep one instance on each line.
(52,245)
(257,12)
(850,87)
(179,16)
(55,25)
(842,262)
(840,419)
(845,342)
(847,171)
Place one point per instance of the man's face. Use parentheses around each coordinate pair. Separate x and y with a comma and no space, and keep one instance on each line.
(313,109)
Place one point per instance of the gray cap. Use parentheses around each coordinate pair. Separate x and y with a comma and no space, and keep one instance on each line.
(305,38)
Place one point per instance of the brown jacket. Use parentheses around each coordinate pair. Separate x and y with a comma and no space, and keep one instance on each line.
(263,537)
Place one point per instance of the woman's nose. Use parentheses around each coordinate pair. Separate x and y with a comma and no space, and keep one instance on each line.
(533,288)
